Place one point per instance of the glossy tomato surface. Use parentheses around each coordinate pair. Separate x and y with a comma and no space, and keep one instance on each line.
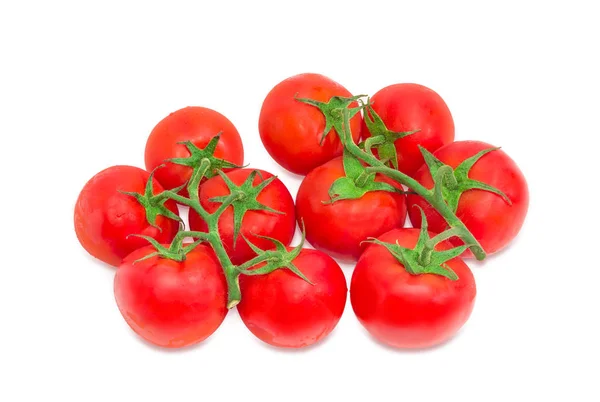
(492,221)
(169,303)
(409,311)
(291,131)
(408,107)
(339,228)
(104,217)
(198,125)
(283,310)
(255,222)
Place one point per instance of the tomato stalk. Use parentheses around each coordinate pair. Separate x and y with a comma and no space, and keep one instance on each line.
(425,257)
(212,237)
(241,198)
(434,196)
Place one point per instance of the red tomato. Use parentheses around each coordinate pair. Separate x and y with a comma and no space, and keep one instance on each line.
(339,228)
(492,221)
(283,310)
(169,303)
(198,125)
(255,222)
(104,217)
(404,310)
(408,107)
(291,131)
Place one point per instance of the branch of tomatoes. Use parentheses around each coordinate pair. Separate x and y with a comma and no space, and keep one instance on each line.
(444,175)
(242,199)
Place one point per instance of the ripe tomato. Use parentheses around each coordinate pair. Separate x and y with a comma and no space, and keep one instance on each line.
(275,195)
(284,310)
(339,228)
(198,125)
(404,310)
(170,303)
(104,216)
(408,107)
(492,220)
(292,131)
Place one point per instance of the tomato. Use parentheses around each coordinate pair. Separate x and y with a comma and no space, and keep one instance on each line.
(492,220)
(339,228)
(284,310)
(104,216)
(170,303)
(408,107)
(292,131)
(404,310)
(275,195)
(198,125)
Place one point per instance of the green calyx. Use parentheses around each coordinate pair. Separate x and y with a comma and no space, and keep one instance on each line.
(356,183)
(155,204)
(198,155)
(244,198)
(423,258)
(332,111)
(381,138)
(176,251)
(450,183)
(279,258)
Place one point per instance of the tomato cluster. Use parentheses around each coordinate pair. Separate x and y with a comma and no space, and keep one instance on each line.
(368,164)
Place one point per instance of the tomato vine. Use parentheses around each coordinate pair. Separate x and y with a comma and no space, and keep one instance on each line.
(448,184)
(241,198)
(434,196)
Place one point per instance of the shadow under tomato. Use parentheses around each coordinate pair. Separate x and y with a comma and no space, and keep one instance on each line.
(300,350)
(175,350)
(411,351)
(162,349)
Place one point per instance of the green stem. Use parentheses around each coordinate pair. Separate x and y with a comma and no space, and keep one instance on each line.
(197,175)
(439,204)
(371,142)
(232,274)
(227,202)
(425,257)
(250,263)
(234,293)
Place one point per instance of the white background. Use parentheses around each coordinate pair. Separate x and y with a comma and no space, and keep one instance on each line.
(83,83)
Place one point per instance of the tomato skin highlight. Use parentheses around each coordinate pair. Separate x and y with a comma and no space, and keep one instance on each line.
(172,304)
(104,217)
(408,107)
(263,223)
(492,221)
(283,310)
(198,125)
(291,131)
(409,311)
(339,228)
